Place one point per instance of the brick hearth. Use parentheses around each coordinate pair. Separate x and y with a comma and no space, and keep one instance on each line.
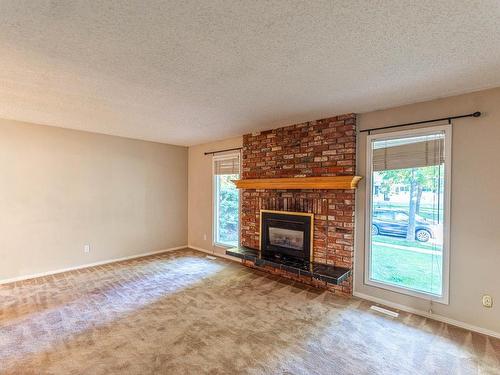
(325,147)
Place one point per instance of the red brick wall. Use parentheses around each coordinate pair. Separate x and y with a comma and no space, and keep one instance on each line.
(319,148)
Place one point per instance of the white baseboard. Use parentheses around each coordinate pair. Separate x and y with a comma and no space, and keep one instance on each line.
(87,265)
(425,314)
(214,253)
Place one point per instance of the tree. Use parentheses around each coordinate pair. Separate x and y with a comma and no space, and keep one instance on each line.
(417,179)
(228,208)
(385,189)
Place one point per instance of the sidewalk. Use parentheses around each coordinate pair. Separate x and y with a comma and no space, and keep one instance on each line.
(406,248)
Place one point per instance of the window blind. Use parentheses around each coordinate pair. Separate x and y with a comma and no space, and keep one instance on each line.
(227,164)
(411,152)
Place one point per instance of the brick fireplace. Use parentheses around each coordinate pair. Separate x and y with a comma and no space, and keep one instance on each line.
(324,147)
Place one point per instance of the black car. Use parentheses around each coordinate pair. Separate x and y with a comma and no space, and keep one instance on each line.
(395,223)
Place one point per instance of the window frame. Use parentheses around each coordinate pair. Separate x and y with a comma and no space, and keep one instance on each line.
(447,129)
(215,206)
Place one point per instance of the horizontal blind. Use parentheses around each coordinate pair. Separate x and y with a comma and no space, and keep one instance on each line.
(411,152)
(227,164)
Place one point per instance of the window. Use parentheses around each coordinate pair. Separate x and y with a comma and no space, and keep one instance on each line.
(226,200)
(408,197)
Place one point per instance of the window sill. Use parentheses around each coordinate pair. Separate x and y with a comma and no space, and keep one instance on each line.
(223,246)
(407,292)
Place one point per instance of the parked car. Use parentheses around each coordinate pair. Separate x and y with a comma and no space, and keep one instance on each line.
(395,223)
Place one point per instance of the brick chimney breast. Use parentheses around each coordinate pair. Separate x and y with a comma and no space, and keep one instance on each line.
(324,147)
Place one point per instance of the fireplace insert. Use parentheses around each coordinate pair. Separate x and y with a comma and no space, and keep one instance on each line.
(286,234)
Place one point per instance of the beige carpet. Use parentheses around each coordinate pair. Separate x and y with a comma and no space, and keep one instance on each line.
(181,313)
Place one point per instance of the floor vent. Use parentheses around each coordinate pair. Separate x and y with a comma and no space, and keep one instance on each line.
(385,311)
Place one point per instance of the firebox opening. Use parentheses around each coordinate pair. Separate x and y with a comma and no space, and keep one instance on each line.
(293,239)
(286,234)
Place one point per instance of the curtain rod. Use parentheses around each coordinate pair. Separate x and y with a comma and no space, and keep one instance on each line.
(219,151)
(475,114)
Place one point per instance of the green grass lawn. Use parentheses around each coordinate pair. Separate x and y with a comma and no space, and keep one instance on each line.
(408,269)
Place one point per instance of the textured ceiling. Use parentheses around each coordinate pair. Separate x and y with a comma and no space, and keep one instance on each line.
(187,72)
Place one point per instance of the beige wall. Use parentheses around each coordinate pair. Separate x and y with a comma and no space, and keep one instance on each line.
(201,193)
(63,188)
(475,234)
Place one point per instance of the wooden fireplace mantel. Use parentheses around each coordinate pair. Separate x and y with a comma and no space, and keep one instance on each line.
(337,182)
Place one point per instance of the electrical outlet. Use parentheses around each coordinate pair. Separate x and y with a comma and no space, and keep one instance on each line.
(86,248)
(487,301)
(205,237)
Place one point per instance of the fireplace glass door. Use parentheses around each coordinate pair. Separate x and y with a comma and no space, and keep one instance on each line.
(286,234)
